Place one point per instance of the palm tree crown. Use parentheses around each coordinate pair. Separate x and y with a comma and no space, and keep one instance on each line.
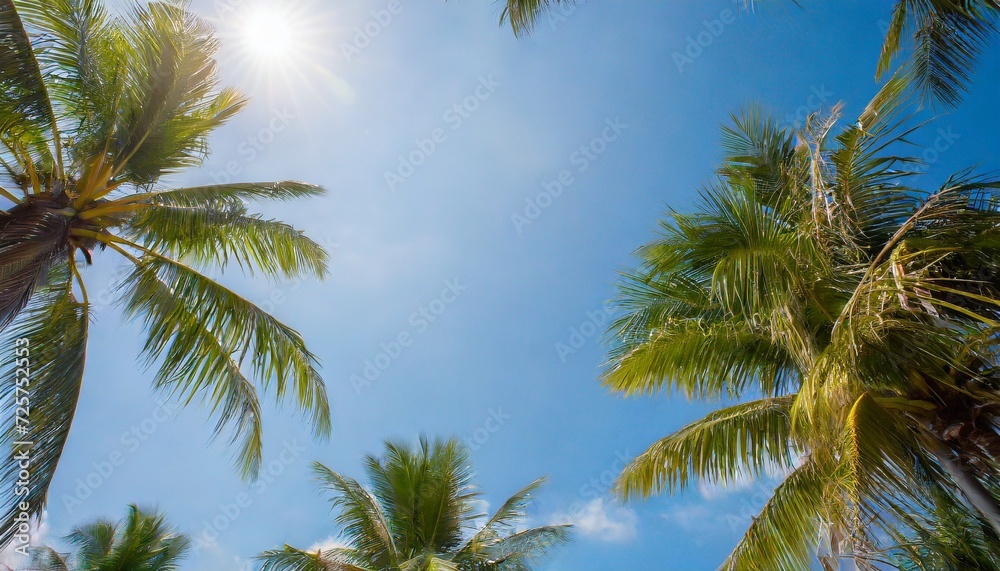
(420,516)
(94,109)
(142,541)
(853,316)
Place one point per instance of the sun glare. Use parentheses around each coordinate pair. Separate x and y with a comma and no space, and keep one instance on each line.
(280,48)
(268,35)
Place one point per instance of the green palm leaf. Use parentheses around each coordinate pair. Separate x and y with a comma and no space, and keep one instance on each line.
(419,516)
(291,559)
(744,440)
(203,331)
(212,235)
(523,14)
(361,517)
(785,533)
(25,110)
(48,374)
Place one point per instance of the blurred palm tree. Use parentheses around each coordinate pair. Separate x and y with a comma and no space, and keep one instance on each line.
(420,515)
(142,541)
(94,110)
(852,315)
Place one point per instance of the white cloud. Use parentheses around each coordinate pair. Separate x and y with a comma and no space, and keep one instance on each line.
(39,536)
(600,520)
(770,475)
(691,517)
(481,508)
(715,491)
(331,542)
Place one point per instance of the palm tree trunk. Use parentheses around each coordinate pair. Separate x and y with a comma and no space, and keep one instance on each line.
(974,491)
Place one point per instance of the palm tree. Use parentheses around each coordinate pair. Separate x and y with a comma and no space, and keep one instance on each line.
(94,109)
(854,319)
(142,541)
(420,516)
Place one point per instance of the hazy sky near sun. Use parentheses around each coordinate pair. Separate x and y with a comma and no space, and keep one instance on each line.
(483,193)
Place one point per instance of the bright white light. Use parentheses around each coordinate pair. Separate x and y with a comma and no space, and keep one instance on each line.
(268,35)
(280,48)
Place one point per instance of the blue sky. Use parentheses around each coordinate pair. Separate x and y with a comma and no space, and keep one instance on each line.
(510,269)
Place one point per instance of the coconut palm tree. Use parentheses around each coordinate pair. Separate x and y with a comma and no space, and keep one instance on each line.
(94,109)
(142,541)
(420,515)
(851,315)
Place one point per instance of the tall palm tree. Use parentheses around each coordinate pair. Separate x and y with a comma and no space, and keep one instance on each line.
(94,109)
(142,541)
(420,515)
(852,315)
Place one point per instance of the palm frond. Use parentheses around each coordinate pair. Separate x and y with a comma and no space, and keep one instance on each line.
(505,518)
(24,100)
(523,14)
(948,38)
(428,493)
(203,329)
(699,359)
(43,375)
(45,559)
(519,550)
(785,533)
(744,440)
(289,558)
(213,194)
(212,236)
(78,60)
(361,518)
(169,102)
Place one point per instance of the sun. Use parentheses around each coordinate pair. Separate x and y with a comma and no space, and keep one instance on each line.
(268,35)
(279,48)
